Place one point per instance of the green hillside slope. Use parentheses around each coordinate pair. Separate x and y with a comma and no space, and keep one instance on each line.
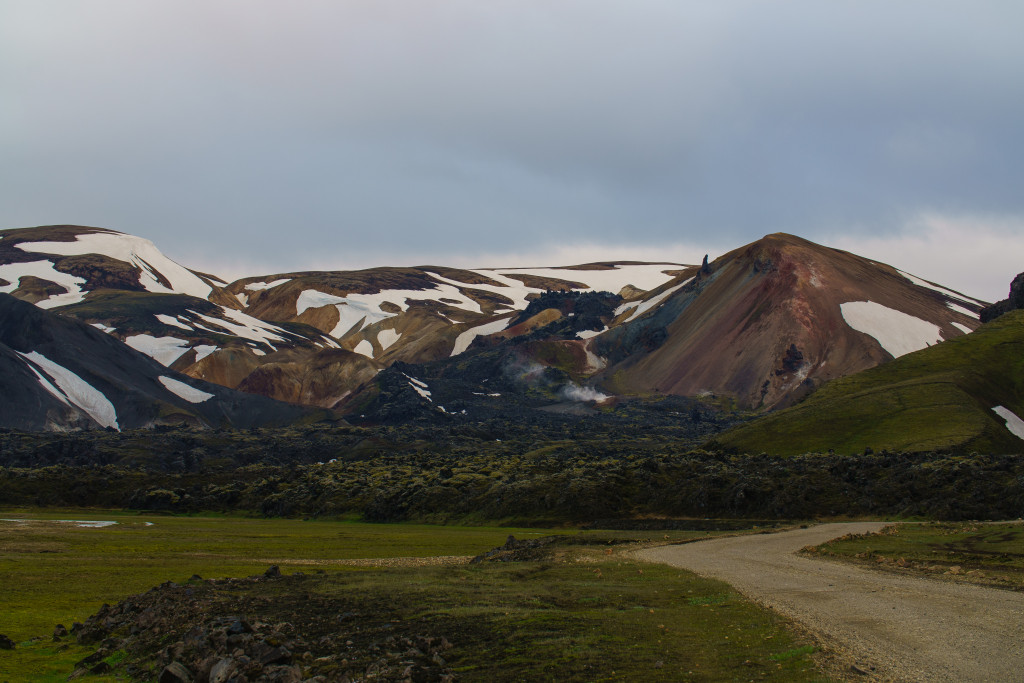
(939,398)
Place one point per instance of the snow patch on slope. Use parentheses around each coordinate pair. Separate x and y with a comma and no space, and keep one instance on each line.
(245,326)
(76,390)
(257,286)
(896,332)
(134,250)
(419,387)
(1013,422)
(365,348)
(463,341)
(387,338)
(941,290)
(203,350)
(962,328)
(182,390)
(164,350)
(961,309)
(172,321)
(44,270)
(649,303)
(590,334)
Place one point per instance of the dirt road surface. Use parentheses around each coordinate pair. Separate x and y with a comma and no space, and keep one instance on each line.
(909,628)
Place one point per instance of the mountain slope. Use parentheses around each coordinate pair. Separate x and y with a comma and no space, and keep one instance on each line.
(942,397)
(59,373)
(770,321)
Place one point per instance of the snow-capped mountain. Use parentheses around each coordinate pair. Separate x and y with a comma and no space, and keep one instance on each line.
(58,373)
(763,324)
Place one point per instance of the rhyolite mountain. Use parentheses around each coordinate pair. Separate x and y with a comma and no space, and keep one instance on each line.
(57,373)
(965,395)
(762,325)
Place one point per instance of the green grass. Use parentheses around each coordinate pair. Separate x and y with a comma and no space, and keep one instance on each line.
(62,573)
(938,398)
(581,614)
(991,554)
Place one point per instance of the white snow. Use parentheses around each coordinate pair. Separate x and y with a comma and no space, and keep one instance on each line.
(76,390)
(1013,422)
(189,393)
(245,326)
(387,338)
(962,328)
(463,341)
(364,347)
(257,286)
(941,290)
(243,298)
(164,350)
(896,332)
(172,321)
(961,309)
(134,250)
(364,309)
(54,391)
(590,334)
(645,277)
(649,303)
(258,352)
(104,328)
(44,270)
(419,387)
(203,350)
(415,381)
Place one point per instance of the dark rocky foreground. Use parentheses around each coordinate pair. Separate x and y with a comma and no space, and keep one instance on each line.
(262,629)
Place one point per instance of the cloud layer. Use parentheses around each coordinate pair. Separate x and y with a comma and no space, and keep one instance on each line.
(288,134)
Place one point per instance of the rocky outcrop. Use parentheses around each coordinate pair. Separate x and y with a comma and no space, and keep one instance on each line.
(1013,302)
(233,630)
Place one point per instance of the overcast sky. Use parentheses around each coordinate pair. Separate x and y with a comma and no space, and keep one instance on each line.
(253,136)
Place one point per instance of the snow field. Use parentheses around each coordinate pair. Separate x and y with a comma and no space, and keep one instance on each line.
(896,332)
(74,389)
(1013,422)
(256,287)
(182,390)
(164,350)
(647,305)
(135,250)
(466,338)
(44,270)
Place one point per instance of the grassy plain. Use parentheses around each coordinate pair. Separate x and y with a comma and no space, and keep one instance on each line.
(990,554)
(586,612)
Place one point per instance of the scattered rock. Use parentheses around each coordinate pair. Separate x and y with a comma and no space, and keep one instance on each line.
(223,670)
(59,631)
(175,672)
(273,572)
(6,643)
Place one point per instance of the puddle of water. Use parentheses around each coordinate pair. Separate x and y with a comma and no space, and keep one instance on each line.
(85,523)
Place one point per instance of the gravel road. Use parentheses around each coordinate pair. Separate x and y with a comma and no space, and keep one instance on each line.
(908,628)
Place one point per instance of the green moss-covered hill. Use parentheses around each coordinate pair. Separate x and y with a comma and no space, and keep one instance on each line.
(939,398)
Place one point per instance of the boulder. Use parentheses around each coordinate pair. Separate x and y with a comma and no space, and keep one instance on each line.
(175,672)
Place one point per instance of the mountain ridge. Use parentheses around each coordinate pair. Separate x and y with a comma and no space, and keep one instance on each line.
(762,325)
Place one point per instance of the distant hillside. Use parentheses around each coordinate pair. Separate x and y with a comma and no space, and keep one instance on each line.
(57,374)
(964,394)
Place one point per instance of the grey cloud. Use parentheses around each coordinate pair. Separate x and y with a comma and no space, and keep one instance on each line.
(466,126)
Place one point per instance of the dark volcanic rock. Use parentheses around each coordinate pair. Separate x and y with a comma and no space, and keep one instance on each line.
(1013,302)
